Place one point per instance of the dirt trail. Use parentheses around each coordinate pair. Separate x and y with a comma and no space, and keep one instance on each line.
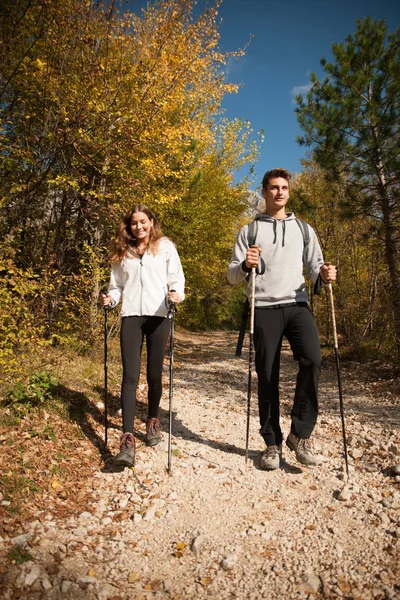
(217,528)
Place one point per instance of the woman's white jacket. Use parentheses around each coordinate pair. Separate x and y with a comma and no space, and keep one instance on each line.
(144,282)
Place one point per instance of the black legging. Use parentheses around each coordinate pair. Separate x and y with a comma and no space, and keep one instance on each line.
(133,332)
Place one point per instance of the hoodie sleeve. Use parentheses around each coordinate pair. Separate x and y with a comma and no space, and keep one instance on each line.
(175,276)
(237,269)
(313,259)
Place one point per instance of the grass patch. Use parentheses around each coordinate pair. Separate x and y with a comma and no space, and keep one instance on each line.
(19,555)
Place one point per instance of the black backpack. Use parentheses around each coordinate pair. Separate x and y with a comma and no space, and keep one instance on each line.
(251,240)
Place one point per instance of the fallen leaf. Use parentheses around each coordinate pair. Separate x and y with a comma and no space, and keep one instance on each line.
(133,576)
(343,585)
(180,546)
(205,580)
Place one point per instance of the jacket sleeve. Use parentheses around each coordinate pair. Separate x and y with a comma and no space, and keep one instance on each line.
(175,275)
(237,270)
(116,284)
(313,260)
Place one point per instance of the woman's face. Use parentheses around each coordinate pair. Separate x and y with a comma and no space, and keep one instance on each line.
(140,226)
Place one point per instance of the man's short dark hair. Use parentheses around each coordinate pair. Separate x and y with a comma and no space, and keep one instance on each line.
(284,173)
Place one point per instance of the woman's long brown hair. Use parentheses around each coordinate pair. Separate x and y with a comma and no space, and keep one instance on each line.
(125,240)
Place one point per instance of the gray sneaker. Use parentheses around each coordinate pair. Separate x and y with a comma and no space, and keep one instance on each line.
(153,432)
(271,458)
(126,456)
(303,450)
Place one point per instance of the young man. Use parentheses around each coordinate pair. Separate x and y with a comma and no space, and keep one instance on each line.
(281,309)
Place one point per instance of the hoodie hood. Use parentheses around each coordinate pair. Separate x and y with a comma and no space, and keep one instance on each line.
(267,218)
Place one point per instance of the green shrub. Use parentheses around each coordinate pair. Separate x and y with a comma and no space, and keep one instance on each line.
(39,388)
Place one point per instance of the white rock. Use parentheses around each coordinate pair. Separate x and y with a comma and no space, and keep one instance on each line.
(32,575)
(149,514)
(87,579)
(228,562)
(65,586)
(197,544)
(384,518)
(46,585)
(85,515)
(22,540)
(345,494)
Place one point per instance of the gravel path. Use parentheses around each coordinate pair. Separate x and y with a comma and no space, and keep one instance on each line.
(219,528)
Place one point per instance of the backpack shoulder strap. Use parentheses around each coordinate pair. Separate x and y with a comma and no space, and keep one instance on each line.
(252,233)
(251,241)
(304,231)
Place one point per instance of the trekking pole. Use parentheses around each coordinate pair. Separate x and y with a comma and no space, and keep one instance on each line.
(330,293)
(105,372)
(171,315)
(251,342)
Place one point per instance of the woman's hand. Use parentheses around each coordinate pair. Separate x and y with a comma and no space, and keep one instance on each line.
(173,297)
(105,299)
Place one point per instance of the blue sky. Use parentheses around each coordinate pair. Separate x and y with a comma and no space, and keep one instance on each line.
(289,39)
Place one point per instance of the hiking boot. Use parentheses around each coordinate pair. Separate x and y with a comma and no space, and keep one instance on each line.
(153,432)
(126,456)
(302,448)
(271,458)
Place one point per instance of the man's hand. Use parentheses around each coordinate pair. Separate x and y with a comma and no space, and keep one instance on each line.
(328,272)
(252,255)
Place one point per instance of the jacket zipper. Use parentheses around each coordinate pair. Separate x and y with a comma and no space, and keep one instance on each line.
(141,286)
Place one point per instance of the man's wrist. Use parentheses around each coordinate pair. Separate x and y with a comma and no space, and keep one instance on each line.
(245,268)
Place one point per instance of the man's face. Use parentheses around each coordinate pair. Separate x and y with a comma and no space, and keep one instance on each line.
(276,195)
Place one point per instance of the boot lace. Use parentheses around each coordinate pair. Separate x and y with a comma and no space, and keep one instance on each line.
(127,441)
(304,446)
(272,451)
(152,426)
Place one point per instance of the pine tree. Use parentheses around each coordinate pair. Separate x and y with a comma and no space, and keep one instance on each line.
(351,120)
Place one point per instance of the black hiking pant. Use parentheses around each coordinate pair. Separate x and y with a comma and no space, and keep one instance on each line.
(133,332)
(297,324)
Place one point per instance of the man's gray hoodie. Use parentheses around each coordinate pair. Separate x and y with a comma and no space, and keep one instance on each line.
(284,253)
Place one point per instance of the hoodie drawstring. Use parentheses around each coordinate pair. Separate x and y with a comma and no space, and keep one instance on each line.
(283,233)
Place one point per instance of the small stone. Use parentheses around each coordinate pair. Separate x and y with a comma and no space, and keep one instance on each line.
(22,540)
(32,575)
(46,585)
(149,514)
(345,494)
(357,453)
(197,544)
(384,518)
(229,562)
(65,586)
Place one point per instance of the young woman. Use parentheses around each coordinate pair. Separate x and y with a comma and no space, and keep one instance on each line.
(147,274)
